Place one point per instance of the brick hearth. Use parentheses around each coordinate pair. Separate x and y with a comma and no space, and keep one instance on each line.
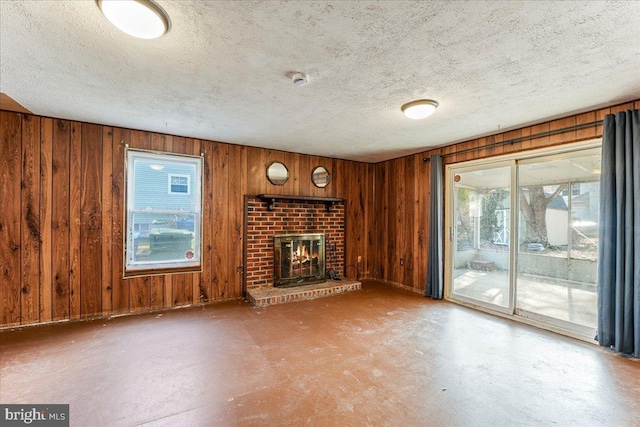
(261,297)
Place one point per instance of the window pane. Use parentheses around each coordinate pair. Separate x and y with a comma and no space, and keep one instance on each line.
(179,184)
(150,185)
(177,188)
(585,205)
(482,236)
(558,235)
(163,205)
(163,237)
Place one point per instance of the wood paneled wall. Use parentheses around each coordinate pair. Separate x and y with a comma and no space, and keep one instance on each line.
(402,192)
(62,210)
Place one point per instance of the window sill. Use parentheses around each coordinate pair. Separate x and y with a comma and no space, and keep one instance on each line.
(161,271)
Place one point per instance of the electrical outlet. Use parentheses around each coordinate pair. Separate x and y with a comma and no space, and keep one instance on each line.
(401,261)
(359,259)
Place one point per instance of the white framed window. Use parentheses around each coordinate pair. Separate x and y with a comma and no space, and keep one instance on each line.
(162,233)
(179,184)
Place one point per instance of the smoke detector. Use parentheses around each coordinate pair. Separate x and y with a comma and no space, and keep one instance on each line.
(300,79)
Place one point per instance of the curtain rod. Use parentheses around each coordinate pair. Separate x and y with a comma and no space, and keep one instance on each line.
(524,138)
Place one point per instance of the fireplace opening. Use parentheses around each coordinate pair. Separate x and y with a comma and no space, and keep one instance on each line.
(298,259)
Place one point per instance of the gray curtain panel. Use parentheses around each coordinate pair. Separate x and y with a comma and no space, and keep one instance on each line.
(435,268)
(619,237)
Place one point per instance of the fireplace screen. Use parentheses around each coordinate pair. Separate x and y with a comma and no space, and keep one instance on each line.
(298,259)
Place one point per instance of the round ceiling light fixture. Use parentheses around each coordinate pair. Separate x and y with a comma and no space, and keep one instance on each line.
(138,18)
(419,109)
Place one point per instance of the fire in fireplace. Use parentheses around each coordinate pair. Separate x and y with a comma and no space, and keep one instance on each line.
(298,259)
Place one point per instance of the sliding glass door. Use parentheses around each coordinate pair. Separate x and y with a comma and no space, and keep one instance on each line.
(481,236)
(558,200)
(538,260)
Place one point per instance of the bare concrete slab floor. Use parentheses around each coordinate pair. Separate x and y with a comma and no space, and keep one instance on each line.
(380,356)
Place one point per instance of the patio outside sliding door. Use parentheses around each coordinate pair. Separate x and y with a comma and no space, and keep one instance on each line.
(480,236)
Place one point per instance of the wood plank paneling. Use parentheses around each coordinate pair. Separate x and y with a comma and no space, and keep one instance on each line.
(409,249)
(543,141)
(622,107)
(363,220)
(220,222)
(291,159)
(30,215)
(526,143)
(305,168)
(256,166)
(397,256)
(10,262)
(46,199)
(107,214)
(352,206)
(482,151)
(563,137)
(207,222)
(421,222)
(235,211)
(383,228)
(392,221)
(120,287)
(60,218)
(368,261)
(586,133)
(498,150)
(61,239)
(91,221)
(75,245)
(339,177)
(511,136)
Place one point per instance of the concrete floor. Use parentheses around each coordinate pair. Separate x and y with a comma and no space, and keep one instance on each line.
(379,356)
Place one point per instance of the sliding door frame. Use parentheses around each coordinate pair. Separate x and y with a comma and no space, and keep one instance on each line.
(513,160)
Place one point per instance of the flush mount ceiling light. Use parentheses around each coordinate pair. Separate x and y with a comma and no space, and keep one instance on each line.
(138,18)
(419,109)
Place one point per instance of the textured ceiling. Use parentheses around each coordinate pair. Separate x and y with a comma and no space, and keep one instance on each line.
(220,73)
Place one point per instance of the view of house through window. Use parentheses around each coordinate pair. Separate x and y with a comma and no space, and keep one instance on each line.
(547,270)
(163,210)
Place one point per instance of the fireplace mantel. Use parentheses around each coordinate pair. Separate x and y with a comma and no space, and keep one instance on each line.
(271,199)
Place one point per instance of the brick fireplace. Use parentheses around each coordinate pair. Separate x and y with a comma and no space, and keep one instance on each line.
(269,216)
